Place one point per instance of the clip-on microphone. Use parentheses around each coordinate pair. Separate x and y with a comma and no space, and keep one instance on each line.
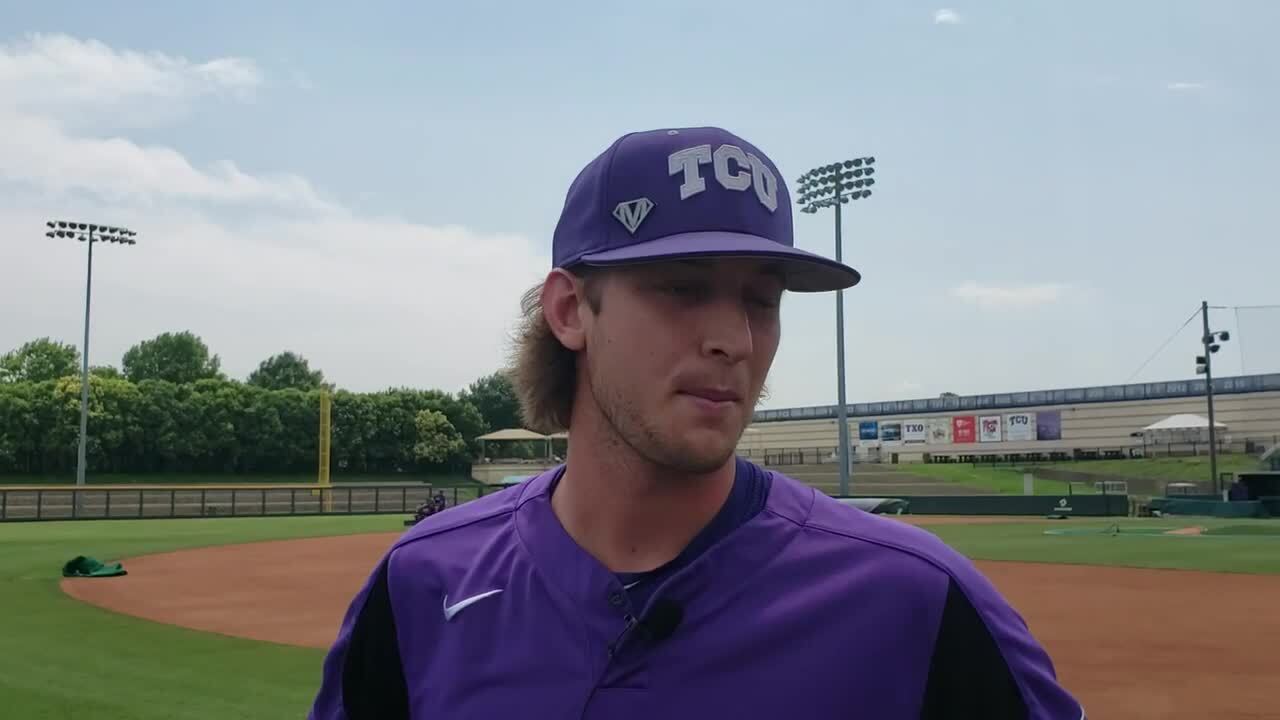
(663,619)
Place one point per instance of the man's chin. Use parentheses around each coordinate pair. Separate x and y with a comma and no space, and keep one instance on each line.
(699,456)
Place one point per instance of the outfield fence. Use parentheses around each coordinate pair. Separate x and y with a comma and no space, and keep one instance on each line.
(31,504)
(19,504)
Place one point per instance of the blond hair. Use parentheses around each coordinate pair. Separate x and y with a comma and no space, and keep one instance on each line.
(543,372)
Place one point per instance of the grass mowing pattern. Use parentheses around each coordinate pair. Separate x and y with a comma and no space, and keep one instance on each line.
(1007,480)
(66,659)
(1272,530)
(1002,480)
(1174,469)
(1251,550)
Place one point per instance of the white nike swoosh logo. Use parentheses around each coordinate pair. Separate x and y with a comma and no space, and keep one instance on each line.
(451,610)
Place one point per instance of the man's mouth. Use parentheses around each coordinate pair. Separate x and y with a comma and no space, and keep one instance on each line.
(718,395)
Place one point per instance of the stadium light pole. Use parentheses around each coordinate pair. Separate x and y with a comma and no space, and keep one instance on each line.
(833,186)
(89,234)
(1204,366)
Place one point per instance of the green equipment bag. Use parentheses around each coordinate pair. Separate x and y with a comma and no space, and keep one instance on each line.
(82,566)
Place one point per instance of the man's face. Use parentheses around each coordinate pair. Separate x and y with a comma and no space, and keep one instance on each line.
(678,354)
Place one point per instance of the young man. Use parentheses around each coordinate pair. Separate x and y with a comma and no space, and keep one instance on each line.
(655,574)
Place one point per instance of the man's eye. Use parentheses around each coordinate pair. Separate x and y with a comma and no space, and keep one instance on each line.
(685,291)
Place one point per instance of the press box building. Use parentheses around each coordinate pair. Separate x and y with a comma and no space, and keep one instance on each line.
(1103,420)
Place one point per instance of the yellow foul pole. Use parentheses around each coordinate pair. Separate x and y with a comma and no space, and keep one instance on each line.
(326,495)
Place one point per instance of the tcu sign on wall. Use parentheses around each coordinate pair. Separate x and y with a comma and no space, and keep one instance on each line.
(1020,426)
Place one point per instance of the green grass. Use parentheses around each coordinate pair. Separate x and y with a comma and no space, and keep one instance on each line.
(1232,545)
(1257,529)
(1003,480)
(446,481)
(65,659)
(1007,479)
(1175,469)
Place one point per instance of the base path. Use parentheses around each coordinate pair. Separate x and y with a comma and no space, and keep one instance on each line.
(1132,644)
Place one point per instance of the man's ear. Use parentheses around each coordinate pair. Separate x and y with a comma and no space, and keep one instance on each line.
(563,307)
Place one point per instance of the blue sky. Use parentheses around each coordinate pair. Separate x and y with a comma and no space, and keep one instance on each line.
(1059,184)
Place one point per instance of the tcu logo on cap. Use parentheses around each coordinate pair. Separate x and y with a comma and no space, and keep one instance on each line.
(733,169)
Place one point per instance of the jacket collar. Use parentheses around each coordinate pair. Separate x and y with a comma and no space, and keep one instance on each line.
(590,589)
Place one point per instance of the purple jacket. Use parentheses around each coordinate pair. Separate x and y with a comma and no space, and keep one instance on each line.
(811,609)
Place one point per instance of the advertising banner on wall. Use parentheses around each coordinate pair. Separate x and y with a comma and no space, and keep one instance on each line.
(1049,425)
(915,431)
(940,431)
(891,432)
(963,429)
(1020,426)
(868,430)
(989,428)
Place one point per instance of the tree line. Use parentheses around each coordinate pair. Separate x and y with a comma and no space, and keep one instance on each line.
(169,408)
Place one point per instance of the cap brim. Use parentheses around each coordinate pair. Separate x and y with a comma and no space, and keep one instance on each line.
(805,271)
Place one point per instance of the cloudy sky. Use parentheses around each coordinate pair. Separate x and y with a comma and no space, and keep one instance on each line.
(1059,183)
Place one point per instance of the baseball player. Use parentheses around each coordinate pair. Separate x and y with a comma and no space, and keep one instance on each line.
(654,573)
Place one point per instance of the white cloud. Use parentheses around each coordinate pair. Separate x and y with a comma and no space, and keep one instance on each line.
(373,301)
(1184,86)
(946,16)
(63,91)
(44,73)
(993,296)
(35,151)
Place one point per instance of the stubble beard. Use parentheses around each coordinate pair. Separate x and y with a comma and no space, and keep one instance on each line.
(631,429)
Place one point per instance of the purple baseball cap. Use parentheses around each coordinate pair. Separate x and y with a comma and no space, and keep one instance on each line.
(685,193)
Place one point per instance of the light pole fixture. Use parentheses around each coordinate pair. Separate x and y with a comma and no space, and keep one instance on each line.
(89,234)
(1204,366)
(822,187)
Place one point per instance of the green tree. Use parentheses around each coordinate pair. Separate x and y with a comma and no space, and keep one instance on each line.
(286,370)
(354,417)
(39,360)
(115,434)
(18,427)
(260,432)
(495,397)
(177,357)
(438,441)
(166,445)
(106,371)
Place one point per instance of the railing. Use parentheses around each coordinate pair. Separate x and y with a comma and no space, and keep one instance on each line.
(1037,398)
(986,454)
(792,456)
(166,502)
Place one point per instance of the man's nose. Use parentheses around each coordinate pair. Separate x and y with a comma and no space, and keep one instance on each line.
(727,331)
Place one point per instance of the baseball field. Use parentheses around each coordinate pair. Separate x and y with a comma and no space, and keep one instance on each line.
(227,618)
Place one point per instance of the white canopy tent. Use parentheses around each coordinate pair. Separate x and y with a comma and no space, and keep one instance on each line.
(1183,421)
(1183,428)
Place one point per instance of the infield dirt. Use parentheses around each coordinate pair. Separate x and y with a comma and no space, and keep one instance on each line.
(1130,643)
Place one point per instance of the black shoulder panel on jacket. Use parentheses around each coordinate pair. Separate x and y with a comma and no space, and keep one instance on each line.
(373,685)
(968,677)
